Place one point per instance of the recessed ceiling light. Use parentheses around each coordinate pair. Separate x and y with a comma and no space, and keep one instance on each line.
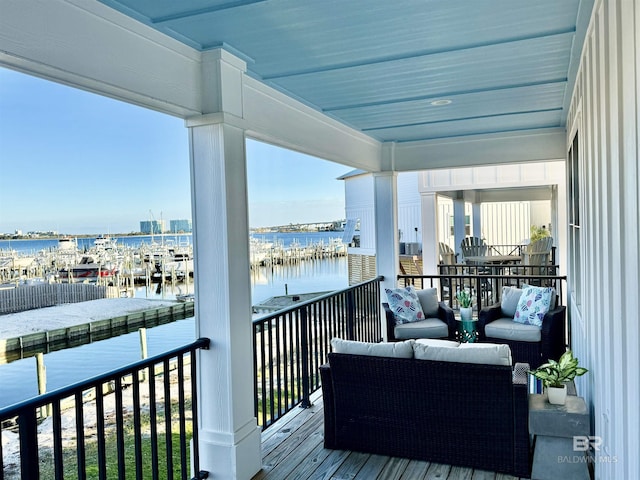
(438,103)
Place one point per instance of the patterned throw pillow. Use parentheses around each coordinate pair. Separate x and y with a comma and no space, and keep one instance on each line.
(405,305)
(533,305)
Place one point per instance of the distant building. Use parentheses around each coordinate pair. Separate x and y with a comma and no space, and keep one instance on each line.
(180,226)
(149,227)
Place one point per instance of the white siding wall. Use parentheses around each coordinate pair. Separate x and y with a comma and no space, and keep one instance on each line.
(409,216)
(505,223)
(445,213)
(359,205)
(604,278)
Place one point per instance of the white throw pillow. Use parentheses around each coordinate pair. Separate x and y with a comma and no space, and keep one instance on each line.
(533,305)
(393,349)
(405,305)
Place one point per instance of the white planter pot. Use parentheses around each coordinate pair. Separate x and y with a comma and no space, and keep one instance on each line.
(557,396)
(466,313)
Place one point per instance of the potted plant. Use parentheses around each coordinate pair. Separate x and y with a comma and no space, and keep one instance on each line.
(466,301)
(554,375)
(536,233)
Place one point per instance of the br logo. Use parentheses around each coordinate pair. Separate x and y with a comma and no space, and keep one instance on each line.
(582,443)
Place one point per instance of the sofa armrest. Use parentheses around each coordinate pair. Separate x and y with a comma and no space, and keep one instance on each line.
(390,322)
(446,314)
(553,333)
(329,407)
(521,373)
(487,315)
(522,450)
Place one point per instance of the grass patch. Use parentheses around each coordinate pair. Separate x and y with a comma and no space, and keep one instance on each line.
(70,460)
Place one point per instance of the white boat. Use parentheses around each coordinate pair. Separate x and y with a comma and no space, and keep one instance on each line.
(105,243)
(67,244)
(88,270)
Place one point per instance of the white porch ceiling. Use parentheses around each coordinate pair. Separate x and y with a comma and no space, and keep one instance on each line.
(376,65)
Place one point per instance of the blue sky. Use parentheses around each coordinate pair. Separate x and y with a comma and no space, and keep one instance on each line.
(76,162)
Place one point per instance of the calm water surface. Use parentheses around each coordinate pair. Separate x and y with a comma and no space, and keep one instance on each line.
(18,379)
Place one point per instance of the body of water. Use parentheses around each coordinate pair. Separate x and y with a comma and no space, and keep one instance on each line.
(18,379)
(33,246)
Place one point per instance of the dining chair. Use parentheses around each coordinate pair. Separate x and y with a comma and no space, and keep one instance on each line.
(536,257)
(473,247)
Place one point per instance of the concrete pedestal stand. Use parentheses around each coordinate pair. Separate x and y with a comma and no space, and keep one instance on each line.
(555,427)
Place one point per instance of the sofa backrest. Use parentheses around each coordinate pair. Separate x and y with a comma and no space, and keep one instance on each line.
(429,349)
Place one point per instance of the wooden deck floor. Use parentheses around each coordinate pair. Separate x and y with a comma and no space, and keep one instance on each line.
(293,449)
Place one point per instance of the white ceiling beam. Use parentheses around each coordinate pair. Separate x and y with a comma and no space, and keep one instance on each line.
(87,45)
(494,149)
(276,118)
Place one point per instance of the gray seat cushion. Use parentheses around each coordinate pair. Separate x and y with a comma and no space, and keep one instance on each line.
(429,328)
(507,329)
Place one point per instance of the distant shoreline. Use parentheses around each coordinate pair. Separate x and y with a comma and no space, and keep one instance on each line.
(335,226)
(80,235)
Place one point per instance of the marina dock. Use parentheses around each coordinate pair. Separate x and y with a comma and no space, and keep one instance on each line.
(112,263)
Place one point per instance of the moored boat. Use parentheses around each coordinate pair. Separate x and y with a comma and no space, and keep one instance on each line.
(87,270)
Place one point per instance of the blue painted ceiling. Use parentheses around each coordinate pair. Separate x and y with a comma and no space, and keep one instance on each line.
(377,65)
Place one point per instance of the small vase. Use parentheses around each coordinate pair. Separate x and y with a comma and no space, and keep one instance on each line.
(557,395)
(466,313)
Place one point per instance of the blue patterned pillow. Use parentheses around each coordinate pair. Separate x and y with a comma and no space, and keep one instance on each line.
(405,305)
(534,303)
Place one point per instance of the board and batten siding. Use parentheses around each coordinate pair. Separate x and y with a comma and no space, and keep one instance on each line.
(603,240)
(409,208)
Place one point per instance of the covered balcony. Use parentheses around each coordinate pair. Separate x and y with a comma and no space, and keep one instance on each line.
(383,87)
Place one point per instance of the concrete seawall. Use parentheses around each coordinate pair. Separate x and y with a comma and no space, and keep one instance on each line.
(79,334)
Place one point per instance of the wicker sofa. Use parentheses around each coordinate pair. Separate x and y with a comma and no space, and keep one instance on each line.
(470,415)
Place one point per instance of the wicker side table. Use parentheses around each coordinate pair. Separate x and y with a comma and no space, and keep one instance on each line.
(555,427)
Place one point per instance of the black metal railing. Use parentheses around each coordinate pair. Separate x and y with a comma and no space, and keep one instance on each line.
(133,422)
(485,286)
(290,345)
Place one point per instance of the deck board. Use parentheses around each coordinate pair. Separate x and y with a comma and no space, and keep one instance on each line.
(292,449)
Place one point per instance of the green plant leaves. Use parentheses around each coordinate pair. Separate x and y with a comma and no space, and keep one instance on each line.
(465,298)
(555,373)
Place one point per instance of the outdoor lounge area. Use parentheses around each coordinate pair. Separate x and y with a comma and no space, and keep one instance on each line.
(470,90)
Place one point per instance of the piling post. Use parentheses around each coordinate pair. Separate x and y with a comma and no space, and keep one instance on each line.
(41,369)
(144,352)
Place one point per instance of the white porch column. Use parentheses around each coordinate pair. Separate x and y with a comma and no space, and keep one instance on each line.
(476,215)
(229,436)
(385,205)
(430,251)
(459,225)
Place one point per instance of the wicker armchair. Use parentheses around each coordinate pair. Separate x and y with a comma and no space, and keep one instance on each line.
(552,336)
(446,318)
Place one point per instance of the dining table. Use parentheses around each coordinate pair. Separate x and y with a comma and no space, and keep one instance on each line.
(493,259)
(493,265)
